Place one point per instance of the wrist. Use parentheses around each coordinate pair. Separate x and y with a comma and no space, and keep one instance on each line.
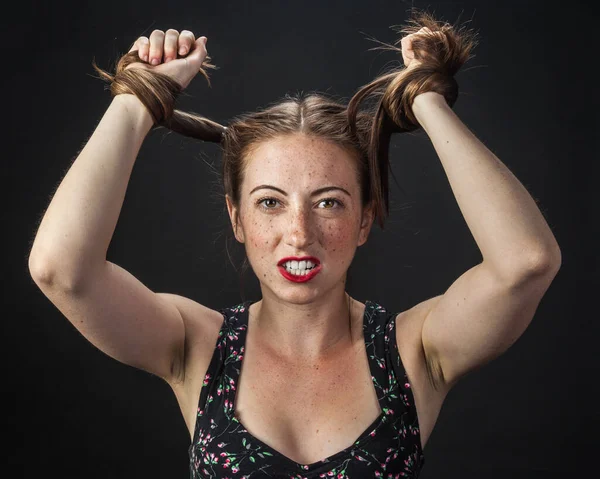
(427,101)
(135,109)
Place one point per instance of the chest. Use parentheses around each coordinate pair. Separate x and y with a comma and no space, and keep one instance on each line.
(307,412)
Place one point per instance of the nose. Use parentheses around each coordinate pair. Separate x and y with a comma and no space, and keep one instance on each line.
(301,231)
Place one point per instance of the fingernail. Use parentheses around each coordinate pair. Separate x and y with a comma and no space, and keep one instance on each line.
(182,50)
(205,40)
(155,61)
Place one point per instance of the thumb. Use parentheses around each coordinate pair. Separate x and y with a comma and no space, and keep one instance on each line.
(198,53)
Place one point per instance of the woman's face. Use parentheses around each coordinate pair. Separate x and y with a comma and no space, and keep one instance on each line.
(300,216)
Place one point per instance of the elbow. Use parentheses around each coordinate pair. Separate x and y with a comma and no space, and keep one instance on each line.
(546,262)
(541,266)
(46,274)
(42,273)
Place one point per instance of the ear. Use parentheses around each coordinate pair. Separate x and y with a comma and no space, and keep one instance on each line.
(368,216)
(233,211)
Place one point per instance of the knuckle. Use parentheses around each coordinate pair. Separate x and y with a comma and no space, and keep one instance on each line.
(187,33)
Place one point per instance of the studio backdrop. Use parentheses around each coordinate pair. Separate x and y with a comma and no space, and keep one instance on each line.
(527,94)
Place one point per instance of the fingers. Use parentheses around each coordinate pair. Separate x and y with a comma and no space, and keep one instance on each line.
(165,46)
(141,45)
(186,40)
(157,39)
(170,47)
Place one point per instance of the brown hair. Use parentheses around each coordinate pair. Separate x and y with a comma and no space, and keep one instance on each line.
(363,127)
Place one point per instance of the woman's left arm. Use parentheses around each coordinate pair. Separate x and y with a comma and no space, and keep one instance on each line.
(505,221)
(487,308)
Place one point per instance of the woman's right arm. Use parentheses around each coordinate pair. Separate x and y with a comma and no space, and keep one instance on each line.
(108,305)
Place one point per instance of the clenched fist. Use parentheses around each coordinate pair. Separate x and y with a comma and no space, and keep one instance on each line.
(178,55)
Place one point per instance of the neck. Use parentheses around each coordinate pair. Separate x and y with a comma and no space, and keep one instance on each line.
(303,331)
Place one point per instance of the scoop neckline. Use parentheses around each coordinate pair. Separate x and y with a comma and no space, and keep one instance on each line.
(363,438)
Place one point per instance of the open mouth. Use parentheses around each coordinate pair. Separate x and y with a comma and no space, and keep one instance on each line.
(299,271)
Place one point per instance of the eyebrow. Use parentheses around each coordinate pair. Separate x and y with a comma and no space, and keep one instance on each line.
(314,193)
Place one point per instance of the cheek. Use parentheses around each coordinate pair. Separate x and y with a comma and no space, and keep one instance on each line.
(261,232)
(338,237)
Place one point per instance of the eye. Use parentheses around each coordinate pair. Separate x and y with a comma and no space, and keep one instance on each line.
(332,202)
(267,203)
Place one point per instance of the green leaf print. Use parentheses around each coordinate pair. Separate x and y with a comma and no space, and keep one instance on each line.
(252,459)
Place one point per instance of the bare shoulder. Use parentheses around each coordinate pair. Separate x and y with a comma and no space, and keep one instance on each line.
(202,326)
(413,318)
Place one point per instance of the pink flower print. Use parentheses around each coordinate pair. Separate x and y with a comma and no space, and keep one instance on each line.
(372,433)
(222,444)
(235,469)
(407,385)
(377,474)
(234,353)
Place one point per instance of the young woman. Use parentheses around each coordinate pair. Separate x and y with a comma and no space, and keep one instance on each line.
(330,387)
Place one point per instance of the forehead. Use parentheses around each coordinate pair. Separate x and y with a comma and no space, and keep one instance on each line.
(301,159)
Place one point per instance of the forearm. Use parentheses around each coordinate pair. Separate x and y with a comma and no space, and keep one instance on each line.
(76,230)
(503,218)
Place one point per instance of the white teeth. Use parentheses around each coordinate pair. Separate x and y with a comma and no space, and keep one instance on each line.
(299,268)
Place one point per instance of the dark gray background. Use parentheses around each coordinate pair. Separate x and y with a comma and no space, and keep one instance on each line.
(529,94)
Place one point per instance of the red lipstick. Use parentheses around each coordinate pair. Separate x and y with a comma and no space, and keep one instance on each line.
(299,278)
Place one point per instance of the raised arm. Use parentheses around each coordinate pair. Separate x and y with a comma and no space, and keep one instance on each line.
(109,306)
(487,308)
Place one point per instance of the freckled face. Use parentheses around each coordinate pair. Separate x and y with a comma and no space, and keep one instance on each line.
(280,214)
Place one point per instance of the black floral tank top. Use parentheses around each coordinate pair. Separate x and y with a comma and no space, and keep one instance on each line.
(390,448)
